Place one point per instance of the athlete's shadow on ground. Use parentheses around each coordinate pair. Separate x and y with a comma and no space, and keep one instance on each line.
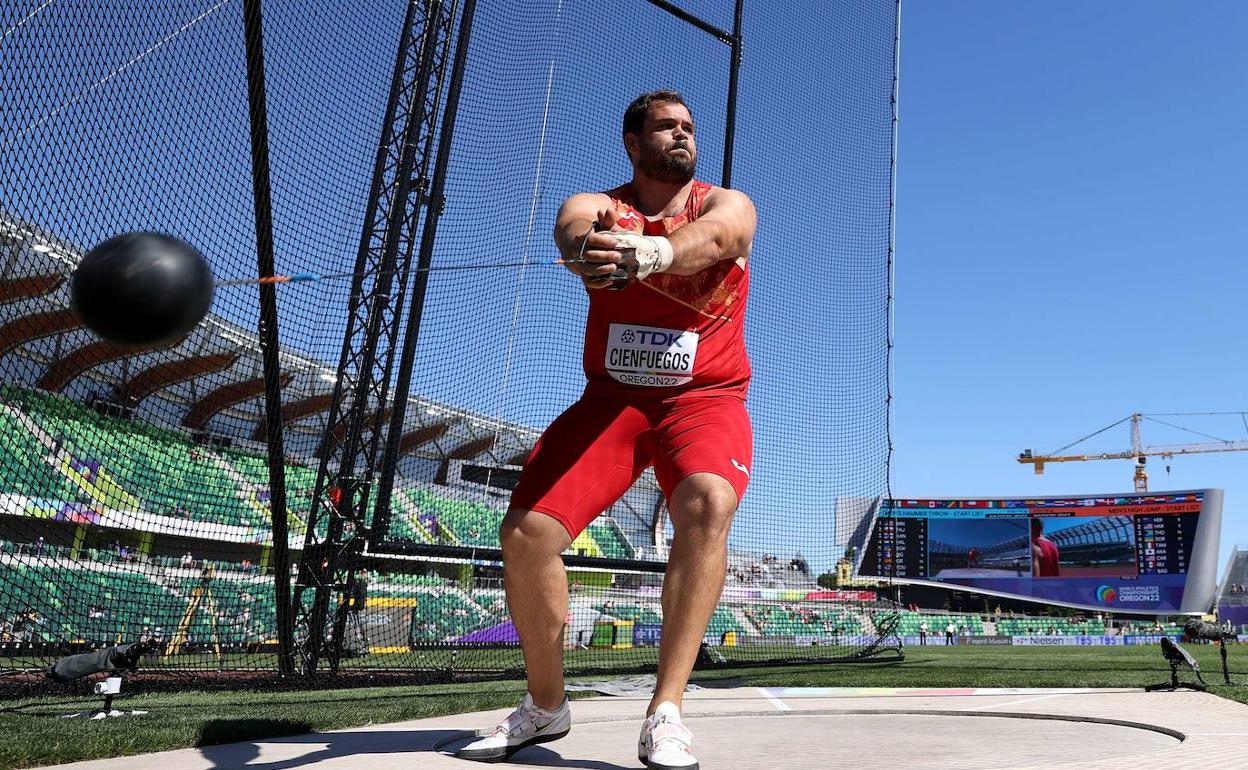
(360,744)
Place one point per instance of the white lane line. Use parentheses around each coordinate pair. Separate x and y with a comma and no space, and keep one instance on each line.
(1016,702)
(779,704)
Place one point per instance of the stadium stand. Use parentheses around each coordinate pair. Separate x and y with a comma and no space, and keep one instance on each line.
(68,601)
(127,465)
(24,463)
(438,614)
(1051,626)
(110,457)
(803,620)
(1234,589)
(635,613)
(909,623)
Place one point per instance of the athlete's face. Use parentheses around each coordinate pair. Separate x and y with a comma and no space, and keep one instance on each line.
(665,149)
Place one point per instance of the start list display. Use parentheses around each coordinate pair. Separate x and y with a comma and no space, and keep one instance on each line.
(1164,543)
(900,550)
(1136,552)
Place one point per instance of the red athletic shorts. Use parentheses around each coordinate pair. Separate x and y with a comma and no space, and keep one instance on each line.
(593,452)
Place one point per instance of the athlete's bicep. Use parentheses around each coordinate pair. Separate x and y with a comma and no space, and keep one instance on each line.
(580,208)
(734,212)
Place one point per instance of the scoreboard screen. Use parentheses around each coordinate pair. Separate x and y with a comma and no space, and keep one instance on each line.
(1141,552)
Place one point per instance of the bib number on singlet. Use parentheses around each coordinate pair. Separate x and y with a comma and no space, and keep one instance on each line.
(650,357)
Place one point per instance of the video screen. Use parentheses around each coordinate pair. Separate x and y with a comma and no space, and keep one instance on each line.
(1084,546)
(1133,551)
(966,548)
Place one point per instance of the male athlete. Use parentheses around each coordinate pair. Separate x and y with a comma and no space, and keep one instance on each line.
(664,260)
(1044,553)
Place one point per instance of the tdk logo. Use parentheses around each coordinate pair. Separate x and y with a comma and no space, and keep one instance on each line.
(658,338)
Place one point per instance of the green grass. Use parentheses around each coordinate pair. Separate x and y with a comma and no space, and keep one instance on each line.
(34,736)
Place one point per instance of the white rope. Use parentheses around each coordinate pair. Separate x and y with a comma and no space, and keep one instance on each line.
(129,63)
(27,18)
(528,234)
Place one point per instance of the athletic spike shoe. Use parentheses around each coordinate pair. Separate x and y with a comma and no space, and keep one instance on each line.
(525,726)
(665,742)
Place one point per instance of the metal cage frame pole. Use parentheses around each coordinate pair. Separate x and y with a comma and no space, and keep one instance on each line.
(402,387)
(268,330)
(348,467)
(734,40)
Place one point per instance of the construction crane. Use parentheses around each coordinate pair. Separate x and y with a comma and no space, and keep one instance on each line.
(1138,451)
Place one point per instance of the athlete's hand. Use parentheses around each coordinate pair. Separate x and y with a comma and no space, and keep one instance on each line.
(600,249)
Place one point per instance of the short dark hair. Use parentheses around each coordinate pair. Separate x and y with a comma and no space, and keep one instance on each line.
(635,115)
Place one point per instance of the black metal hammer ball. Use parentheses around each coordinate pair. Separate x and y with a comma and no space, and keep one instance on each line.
(141,289)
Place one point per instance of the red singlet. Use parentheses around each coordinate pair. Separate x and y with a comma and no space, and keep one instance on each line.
(1049,558)
(667,377)
(668,335)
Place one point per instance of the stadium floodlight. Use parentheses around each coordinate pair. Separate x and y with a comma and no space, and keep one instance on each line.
(1177,656)
(114,661)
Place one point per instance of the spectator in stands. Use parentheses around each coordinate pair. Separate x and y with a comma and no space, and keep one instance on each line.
(25,625)
(36,548)
(188,561)
(246,565)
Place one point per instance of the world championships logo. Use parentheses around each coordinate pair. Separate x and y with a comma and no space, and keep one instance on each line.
(1106,595)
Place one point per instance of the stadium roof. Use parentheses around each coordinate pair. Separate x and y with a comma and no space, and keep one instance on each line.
(210,381)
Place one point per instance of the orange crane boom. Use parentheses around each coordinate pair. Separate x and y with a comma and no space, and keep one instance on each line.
(1138,451)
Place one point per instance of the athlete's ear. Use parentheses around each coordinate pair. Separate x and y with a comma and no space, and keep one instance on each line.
(630,145)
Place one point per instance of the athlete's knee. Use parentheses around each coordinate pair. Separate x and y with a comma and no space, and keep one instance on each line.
(532,531)
(703,506)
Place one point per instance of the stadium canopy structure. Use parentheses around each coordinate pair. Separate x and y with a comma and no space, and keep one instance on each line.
(210,382)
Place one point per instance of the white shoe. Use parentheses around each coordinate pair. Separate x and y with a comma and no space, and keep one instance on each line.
(665,742)
(525,726)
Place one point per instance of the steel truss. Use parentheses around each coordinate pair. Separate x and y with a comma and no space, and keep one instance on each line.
(338,521)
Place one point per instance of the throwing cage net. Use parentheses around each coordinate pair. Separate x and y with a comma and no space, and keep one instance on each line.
(400,164)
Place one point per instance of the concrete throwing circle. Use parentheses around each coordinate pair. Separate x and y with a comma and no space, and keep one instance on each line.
(915,740)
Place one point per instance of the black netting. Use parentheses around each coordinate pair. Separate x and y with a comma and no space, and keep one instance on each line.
(135,485)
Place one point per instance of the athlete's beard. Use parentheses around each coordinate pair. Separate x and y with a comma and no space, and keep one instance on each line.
(661,165)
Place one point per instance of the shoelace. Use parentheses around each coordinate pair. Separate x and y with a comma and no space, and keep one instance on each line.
(671,731)
(515,721)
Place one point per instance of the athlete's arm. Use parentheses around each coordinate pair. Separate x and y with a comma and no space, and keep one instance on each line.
(1035,560)
(576,216)
(723,230)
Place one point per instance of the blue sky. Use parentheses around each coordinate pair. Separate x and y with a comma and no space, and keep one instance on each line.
(1070,239)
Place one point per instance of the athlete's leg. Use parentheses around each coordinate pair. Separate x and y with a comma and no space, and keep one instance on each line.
(586,459)
(537,595)
(702,508)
